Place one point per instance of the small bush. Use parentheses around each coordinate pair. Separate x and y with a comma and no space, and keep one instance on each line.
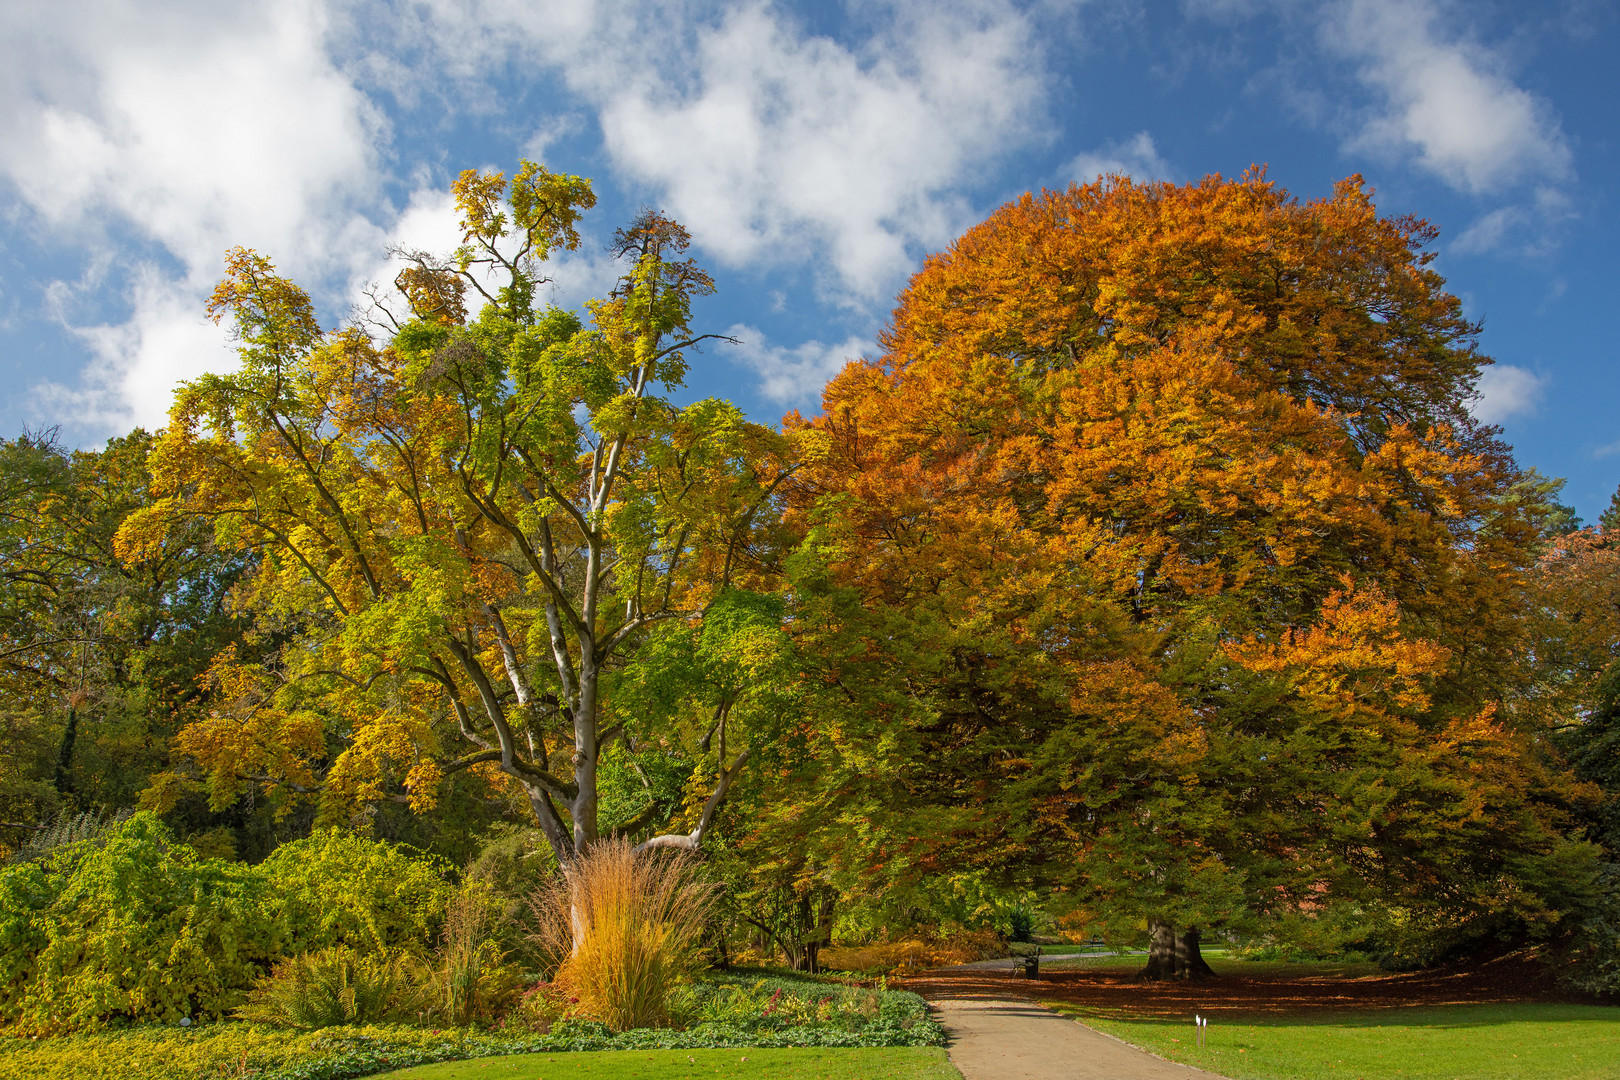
(624,931)
(335,888)
(337,986)
(538,1009)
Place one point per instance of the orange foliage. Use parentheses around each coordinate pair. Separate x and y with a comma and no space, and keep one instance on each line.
(1186,572)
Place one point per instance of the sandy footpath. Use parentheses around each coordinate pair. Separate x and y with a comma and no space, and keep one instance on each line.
(1008,1039)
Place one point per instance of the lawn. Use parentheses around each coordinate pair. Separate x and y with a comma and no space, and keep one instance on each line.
(1450,1042)
(899,1063)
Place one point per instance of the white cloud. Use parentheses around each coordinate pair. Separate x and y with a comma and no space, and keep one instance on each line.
(136,365)
(784,139)
(1506,391)
(193,128)
(793,376)
(1527,228)
(1136,157)
(198,128)
(1446,99)
(152,137)
(772,145)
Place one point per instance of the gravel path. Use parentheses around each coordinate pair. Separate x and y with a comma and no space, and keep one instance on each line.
(1009,1039)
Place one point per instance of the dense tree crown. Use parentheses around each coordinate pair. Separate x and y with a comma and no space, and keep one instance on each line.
(1159,552)
(466,533)
(99,658)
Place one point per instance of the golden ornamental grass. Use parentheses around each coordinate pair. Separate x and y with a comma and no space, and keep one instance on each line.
(623,930)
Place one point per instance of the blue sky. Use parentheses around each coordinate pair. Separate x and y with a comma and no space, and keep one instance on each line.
(817,152)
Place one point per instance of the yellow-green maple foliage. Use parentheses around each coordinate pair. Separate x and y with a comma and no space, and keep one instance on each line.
(461,529)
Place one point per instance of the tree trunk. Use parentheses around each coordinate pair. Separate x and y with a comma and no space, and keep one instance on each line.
(1189,960)
(1161,961)
(1174,956)
(63,779)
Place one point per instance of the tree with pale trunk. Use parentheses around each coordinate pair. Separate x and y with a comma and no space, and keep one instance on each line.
(468,529)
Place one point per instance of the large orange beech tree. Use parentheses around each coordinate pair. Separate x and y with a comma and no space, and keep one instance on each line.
(1159,560)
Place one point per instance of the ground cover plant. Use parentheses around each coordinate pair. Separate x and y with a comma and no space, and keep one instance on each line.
(897,1064)
(743,1011)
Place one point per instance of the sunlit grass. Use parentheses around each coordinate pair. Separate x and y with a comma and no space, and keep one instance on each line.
(1452,1042)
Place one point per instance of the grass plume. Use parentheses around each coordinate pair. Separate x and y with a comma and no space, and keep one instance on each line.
(623,930)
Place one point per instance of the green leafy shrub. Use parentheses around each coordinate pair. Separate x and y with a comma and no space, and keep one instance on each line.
(538,1009)
(128,925)
(335,888)
(765,1005)
(338,986)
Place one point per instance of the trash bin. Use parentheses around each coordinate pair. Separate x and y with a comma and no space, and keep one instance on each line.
(1032,966)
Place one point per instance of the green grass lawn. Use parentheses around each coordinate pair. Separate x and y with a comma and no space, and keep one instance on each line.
(900,1063)
(1453,1042)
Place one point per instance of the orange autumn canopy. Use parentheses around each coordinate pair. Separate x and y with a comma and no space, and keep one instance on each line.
(1169,522)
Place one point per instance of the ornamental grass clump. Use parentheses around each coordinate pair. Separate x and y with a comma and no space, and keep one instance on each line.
(624,931)
(471,981)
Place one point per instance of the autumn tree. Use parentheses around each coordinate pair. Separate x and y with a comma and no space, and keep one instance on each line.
(98,659)
(1160,553)
(469,531)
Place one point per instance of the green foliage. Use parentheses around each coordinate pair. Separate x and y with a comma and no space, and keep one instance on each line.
(335,888)
(129,926)
(338,986)
(99,659)
(471,983)
(731,1012)
(765,1005)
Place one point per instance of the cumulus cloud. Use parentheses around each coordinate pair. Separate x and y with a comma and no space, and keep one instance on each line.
(1136,157)
(158,137)
(135,365)
(1506,391)
(155,138)
(1444,99)
(773,144)
(198,126)
(793,377)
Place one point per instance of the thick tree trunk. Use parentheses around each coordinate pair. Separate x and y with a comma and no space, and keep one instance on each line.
(1189,960)
(1174,956)
(1161,961)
